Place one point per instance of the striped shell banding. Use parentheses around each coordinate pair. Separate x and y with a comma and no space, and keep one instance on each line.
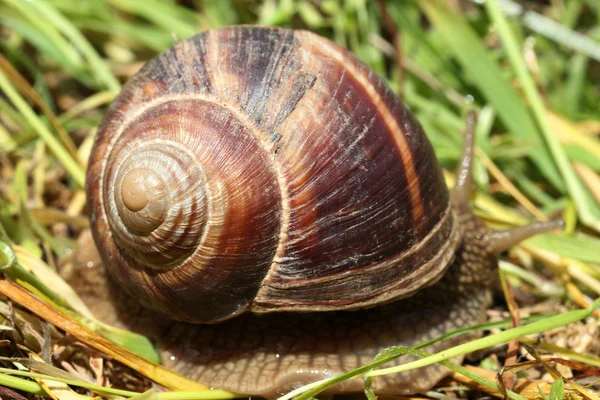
(266,170)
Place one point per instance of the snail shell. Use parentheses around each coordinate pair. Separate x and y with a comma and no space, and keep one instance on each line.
(266,170)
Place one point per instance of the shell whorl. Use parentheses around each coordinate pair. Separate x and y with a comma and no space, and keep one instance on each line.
(200,204)
(158,201)
(292,179)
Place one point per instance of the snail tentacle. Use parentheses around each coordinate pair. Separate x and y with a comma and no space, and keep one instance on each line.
(461,194)
(498,240)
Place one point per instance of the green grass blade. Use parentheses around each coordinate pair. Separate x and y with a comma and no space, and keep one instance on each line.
(155,39)
(589,214)
(22,384)
(582,155)
(52,142)
(169,16)
(311,390)
(557,390)
(581,247)
(551,29)
(575,84)
(489,78)
(98,67)
(44,37)
(493,340)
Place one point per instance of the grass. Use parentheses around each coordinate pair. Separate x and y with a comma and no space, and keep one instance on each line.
(533,73)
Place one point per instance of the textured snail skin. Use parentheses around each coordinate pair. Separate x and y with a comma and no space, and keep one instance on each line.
(333,152)
(268,355)
(266,170)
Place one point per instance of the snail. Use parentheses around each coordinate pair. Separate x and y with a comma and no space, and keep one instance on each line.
(266,190)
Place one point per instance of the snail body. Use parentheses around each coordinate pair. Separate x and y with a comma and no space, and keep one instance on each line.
(263,169)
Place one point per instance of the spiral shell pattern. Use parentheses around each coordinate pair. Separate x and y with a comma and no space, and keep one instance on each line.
(159,200)
(265,169)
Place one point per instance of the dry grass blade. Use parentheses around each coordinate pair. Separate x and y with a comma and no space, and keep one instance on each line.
(558,376)
(529,389)
(56,390)
(590,178)
(11,394)
(153,371)
(513,345)
(510,187)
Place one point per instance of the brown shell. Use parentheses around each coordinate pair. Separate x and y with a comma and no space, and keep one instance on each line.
(276,172)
